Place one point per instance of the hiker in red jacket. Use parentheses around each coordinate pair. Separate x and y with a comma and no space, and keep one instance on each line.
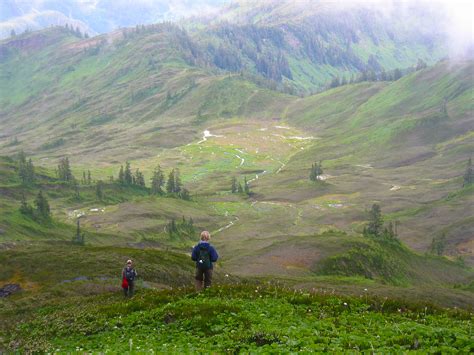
(204,255)
(129,275)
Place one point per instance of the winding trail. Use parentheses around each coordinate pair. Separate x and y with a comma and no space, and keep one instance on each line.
(231,223)
(256,176)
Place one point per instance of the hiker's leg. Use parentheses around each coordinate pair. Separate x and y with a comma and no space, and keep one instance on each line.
(208,278)
(131,288)
(198,278)
(125,291)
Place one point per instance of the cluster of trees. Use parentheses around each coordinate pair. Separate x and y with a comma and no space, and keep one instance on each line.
(41,211)
(376,75)
(159,186)
(468,178)
(126,177)
(438,245)
(237,187)
(26,169)
(76,31)
(316,171)
(238,44)
(182,228)
(63,171)
(375,226)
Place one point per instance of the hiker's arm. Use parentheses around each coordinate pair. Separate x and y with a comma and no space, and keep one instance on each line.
(194,254)
(214,255)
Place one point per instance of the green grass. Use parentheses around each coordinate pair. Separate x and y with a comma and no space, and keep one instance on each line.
(239,319)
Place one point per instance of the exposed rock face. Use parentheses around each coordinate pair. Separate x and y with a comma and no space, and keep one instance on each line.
(9,289)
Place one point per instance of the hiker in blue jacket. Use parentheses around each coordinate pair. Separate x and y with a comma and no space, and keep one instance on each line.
(204,254)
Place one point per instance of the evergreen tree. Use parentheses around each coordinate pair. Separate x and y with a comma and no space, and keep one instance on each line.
(157,181)
(421,64)
(234,184)
(79,238)
(99,190)
(177,181)
(170,187)
(397,74)
(84,179)
(25,208)
(127,176)
(374,227)
(75,186)
(246,186)
(121,176)
(172,228)
(468,178)
(239,188)
(26,170)
(42,209)
(184,194)
(64,170)
(139,179)
(89,178)
(438,244)
(316,171)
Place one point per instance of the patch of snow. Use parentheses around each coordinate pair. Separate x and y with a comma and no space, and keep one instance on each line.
(301,138)
(336,205)
(207,134)
(263,129)
(395,188)
(282,127)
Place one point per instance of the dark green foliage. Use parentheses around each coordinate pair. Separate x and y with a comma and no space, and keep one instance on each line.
(79,238)
(185,195)
(89,178)
(138,178)
(174,185)
(170,188)
(234,185)
(375,225)
(376,260)
(25,208)
(157,181)
(438,244)
(64,170)
(99,190)
(246,186)
(316,171)
(421,64)
(121,176)
(245,318)
(42,210)
(397,74)
(183,229)
(127,175)
(75,186)
(468,178)
(26,170)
